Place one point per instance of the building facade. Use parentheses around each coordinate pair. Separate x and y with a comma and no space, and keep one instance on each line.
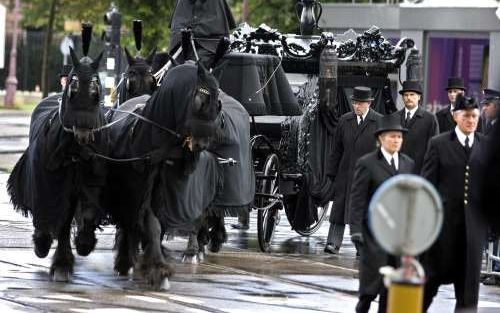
(454,38)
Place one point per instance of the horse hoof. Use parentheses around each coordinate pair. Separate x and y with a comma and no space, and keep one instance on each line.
(42,244)
(201,256)
(85,243)
(165,284)
(60,276)
(215,246)
(190,258)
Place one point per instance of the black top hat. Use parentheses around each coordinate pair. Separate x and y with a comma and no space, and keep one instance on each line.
(455,83)
(361,94)
(465,103)
(389,123)
(411,85)
(65,70)
(491,95)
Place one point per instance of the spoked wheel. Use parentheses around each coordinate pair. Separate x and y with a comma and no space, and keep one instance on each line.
(321,211)
(268,219)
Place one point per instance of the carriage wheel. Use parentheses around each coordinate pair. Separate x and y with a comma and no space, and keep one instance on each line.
(267,220)
(321,210)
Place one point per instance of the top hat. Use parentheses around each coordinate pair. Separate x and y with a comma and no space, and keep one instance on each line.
(65,70)
(465,103)
(490,95)
(455,83)
(411,85)
(362,94)
(389,123)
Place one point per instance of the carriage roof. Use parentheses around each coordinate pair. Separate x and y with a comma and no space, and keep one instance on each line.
(254,71)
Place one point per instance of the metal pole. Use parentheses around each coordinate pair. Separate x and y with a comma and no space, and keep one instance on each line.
(11,82)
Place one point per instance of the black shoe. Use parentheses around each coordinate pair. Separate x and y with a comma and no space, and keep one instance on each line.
(331,249)
(240,226)
(490,281)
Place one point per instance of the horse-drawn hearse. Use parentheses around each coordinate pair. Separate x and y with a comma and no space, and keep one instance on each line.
(290,154)
(196,143)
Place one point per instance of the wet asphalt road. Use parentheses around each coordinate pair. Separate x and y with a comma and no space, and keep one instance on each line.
(295,277)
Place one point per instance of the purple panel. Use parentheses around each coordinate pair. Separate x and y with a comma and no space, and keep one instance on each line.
(454,57)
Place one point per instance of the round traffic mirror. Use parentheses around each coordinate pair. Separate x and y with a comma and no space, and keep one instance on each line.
(405,215)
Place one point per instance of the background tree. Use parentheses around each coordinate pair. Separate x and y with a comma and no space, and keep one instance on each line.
(50,15)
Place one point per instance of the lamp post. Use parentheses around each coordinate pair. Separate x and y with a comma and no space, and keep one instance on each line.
(11,82)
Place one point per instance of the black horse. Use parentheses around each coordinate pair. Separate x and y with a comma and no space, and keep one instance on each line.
(168,135)
(238,182)
(57,178)
(138,78)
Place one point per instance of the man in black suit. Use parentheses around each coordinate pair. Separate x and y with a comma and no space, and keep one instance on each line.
(421,124)
(453,164)
(490,104)
(444,116)
(353,139)
(371,171)
(209,22)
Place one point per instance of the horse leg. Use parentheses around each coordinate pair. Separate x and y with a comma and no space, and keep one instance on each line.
(218,233)
(191,253)
(155,269)
(126,251)
(203,240)
(42,242)
(85,239)
(63,259)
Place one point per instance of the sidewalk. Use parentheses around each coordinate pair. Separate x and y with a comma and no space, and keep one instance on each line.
(14,130)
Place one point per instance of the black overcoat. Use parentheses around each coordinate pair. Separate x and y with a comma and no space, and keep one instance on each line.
(421,128)
(351,143)
(457,252)
(370,172)
(446,121)
(207,19)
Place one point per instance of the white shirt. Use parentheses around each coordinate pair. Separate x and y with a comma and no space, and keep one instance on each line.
(389,156)
(358,118)
(412,112)
(461,137)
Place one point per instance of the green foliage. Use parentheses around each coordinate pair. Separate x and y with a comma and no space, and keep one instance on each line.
(279,14)
(155,14)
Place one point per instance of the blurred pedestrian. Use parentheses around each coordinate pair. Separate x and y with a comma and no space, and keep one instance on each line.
(353,139)
(370,172)
(63,75)
(490,104)
(445,116)
(454,165)
(421,125)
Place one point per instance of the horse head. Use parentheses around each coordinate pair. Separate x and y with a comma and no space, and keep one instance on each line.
(139,79)
(80,110)
(204,116)
(80,107)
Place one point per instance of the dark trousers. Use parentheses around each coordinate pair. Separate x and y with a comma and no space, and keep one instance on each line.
(462,305)
(365,301)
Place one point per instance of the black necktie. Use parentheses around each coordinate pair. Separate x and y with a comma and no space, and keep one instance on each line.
(360,121)
(408,118)
(467,146)
(393,164)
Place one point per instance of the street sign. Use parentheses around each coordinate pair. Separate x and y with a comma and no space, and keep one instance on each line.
(66,43)
(405,215)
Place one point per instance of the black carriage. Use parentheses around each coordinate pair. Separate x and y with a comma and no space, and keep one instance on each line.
(289,154)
